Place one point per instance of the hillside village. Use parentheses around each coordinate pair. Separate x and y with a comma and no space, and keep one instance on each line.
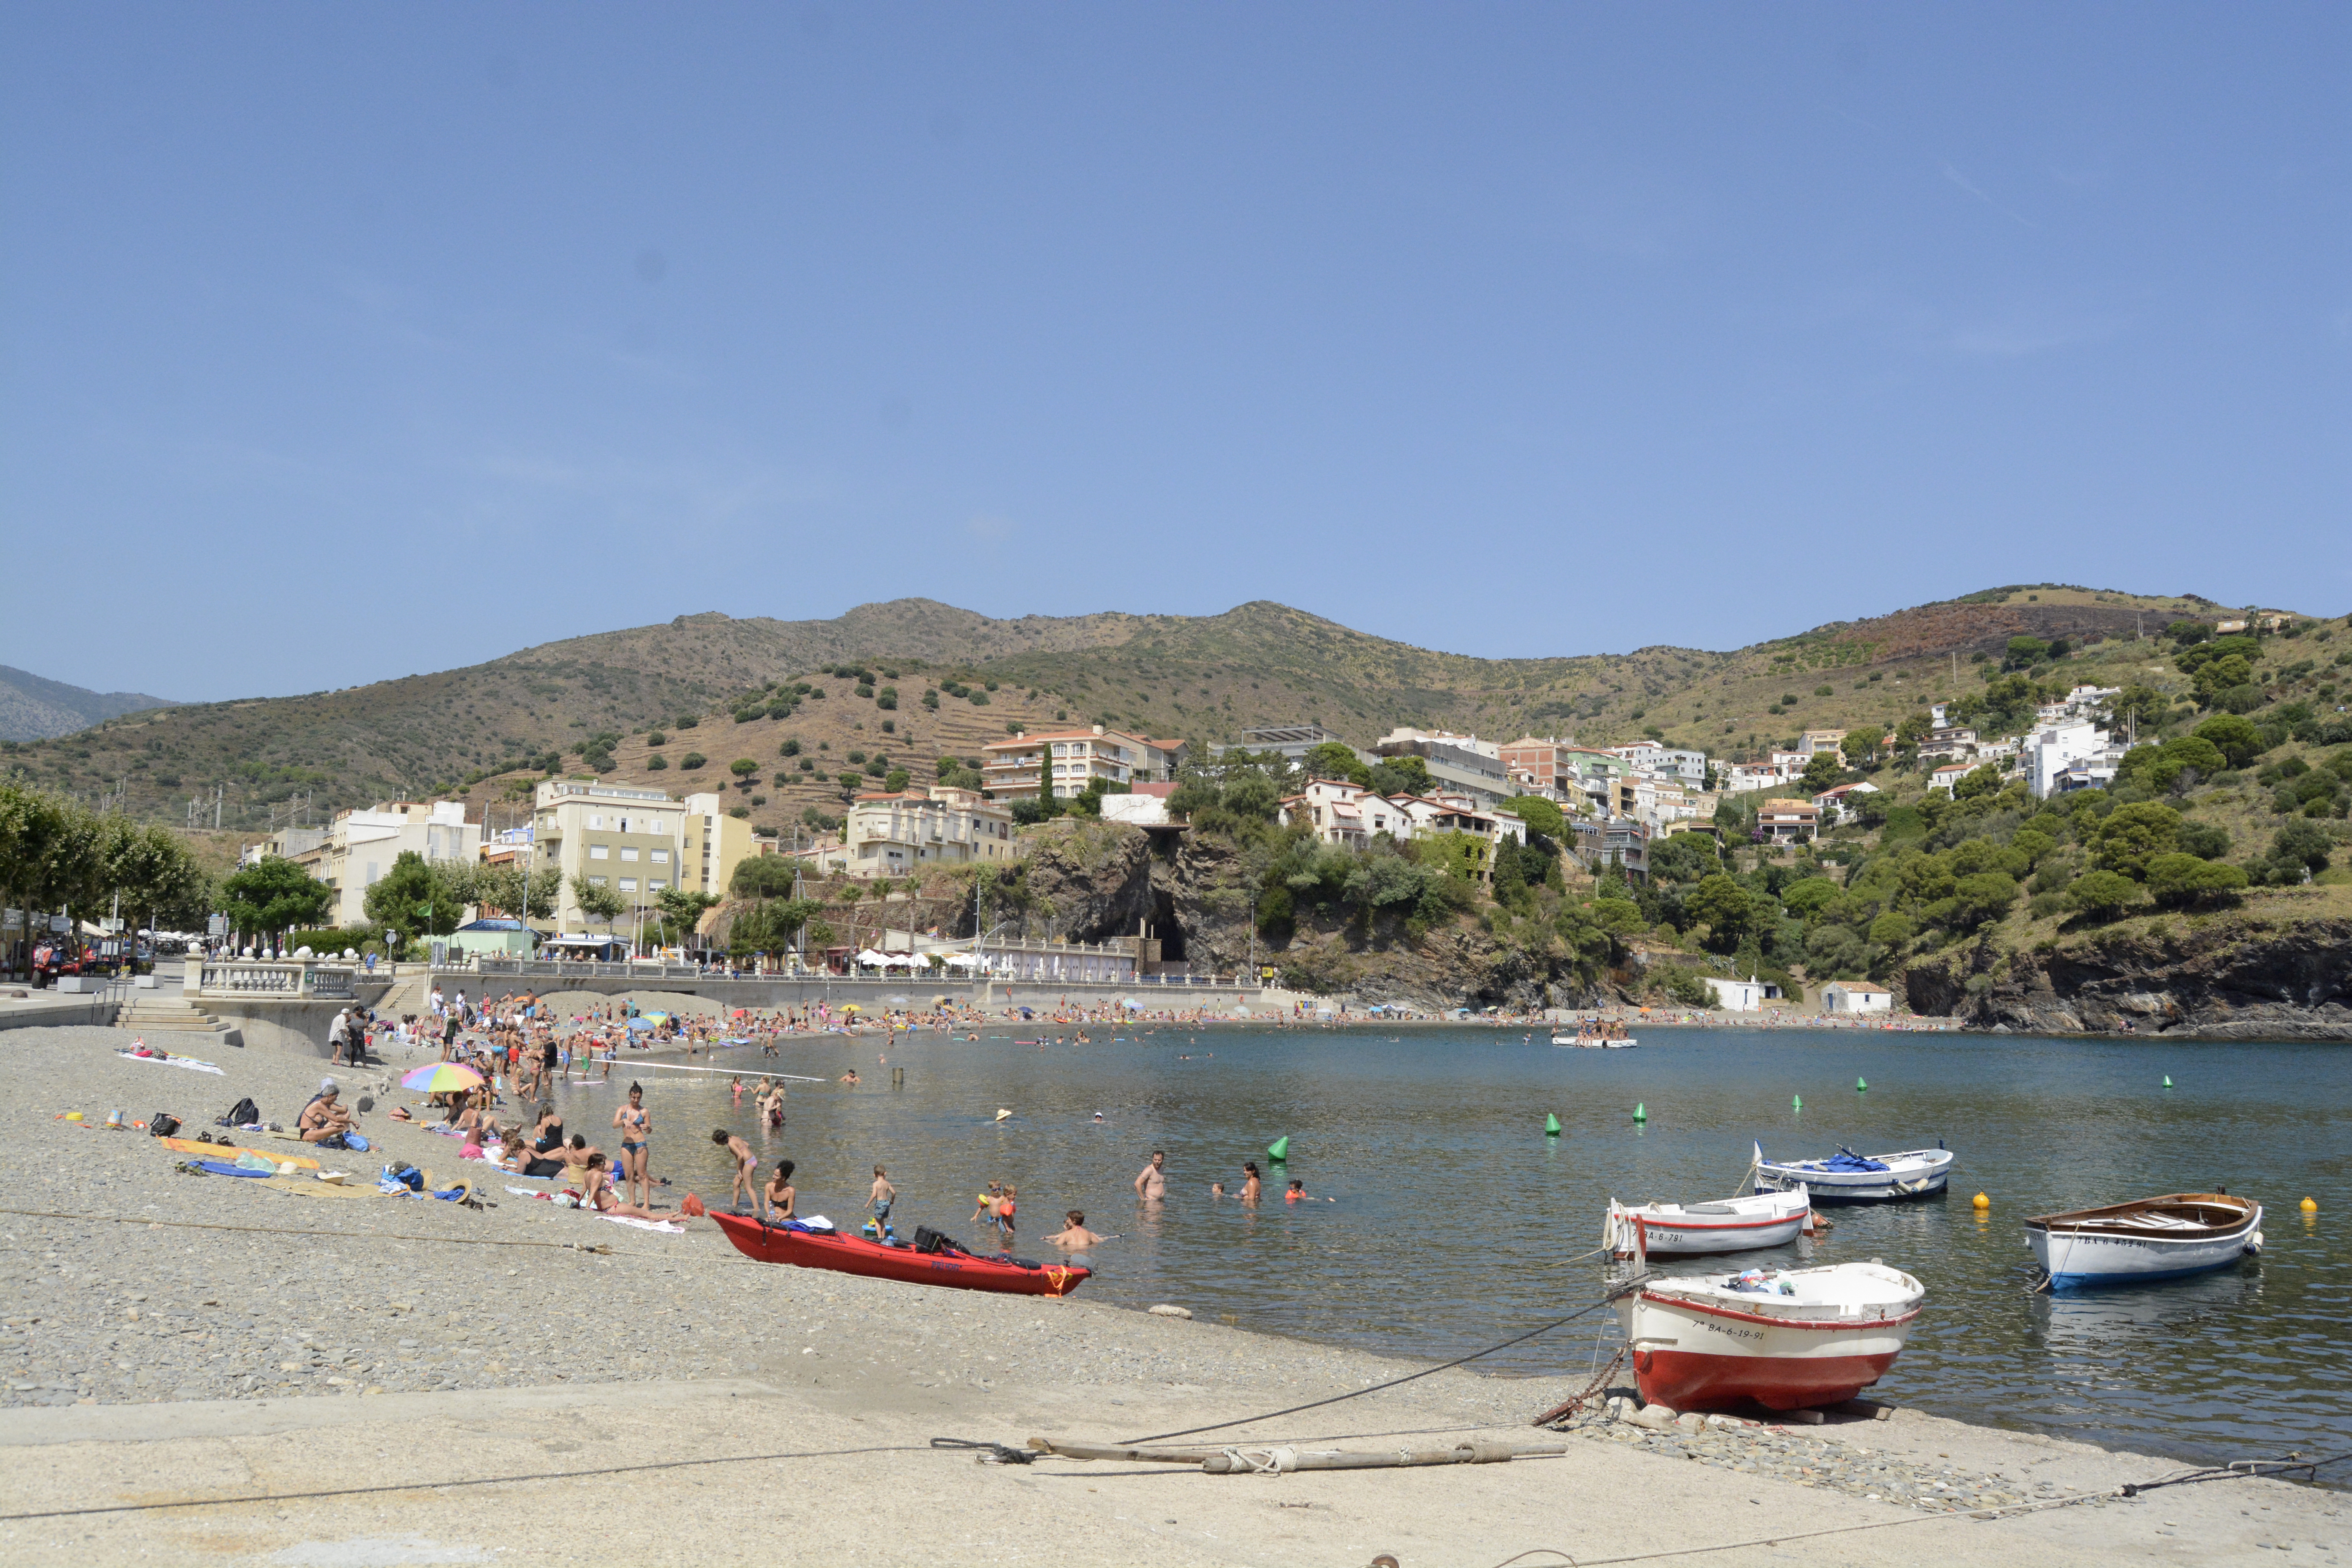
(2035,787)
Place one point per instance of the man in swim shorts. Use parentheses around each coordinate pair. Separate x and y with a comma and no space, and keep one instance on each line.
(882,1196)
(1151,1182)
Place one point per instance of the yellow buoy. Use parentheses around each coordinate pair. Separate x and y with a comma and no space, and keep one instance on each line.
(2311,1205)
(1981,1201)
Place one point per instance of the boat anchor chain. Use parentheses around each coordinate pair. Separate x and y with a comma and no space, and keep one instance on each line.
(1567,1408)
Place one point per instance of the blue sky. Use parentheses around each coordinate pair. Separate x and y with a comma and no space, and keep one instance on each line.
(344,341)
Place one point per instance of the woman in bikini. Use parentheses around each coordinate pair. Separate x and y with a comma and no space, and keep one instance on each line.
(636,1128)
(599,1197)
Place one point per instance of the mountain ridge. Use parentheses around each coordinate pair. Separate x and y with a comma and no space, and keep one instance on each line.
(1203,677)
(35,707)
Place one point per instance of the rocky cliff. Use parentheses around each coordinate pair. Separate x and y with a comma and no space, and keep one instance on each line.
(1088,880)
(2227,977)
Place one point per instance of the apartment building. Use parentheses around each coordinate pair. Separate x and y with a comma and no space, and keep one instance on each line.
(632,841)
(714,845)
(1788,821)
(1814,741)
(1062,762)
(892,835)
(1648,758)
(356,851)
(1289,741)
(1461,764)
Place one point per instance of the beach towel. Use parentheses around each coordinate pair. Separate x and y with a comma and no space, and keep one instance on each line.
(188,1062)
(224,1168)
(664,1226)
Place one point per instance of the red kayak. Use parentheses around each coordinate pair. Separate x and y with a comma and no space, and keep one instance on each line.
(856,1255)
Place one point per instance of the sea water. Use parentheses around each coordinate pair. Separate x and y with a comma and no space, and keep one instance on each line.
(1459,1224)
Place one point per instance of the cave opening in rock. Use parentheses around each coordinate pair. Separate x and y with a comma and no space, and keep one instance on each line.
(1165,928)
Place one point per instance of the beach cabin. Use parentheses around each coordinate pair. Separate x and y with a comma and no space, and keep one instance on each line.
(1747,995)
(1851,997)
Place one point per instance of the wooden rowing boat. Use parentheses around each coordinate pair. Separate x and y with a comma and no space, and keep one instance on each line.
(1786,1339)
(1727,1225)
(2167,1237)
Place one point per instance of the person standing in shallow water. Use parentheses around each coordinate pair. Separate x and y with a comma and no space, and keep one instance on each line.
(1151,1182)
(1249,1182)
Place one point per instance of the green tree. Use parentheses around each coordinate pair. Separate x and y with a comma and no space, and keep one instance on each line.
(1723,906)
(1983,780)
(2179,880)
(1891,931)
(1823,772)
(1334,760)
(596,901)
(503,888)
(2101,895)
(1983,897)
(1684,857)
(1544,817)
(275,894)
(2025,652)
(2133,835)
(743,768)
(1394,777)
(2234,736)
(680,911)
(416,897)
(1861,745)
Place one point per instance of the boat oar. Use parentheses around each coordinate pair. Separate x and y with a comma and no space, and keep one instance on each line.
(1273,1459)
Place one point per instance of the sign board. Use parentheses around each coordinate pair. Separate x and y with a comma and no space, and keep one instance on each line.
(1266,973)
(216,925)
(59,924)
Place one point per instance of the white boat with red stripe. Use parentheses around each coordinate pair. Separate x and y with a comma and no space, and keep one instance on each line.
(1724,1225)
(1787,1339)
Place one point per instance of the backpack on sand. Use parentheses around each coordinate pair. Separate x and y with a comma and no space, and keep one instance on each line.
(239,1114)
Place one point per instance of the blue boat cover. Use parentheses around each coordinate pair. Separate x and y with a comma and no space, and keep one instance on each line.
(1846,1159)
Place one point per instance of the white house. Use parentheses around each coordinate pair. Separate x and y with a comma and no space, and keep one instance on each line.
(1853,996)
(1837,800)
(1950,773)
(2052,755)
(1747,995)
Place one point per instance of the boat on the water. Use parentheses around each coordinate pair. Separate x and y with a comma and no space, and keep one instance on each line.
(1847,1177)
(1596,1042)
(1725,1225)
(1787,1339)
(2167,1237)
(846,1254)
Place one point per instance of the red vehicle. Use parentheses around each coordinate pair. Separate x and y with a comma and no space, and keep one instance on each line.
(846,1254)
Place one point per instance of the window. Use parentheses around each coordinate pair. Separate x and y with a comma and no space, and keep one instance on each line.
(595,881)
(655,886)
(628,884)
(598,852)
(661,856)
(628,851)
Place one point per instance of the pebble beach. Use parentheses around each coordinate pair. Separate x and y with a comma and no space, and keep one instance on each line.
(150,1312)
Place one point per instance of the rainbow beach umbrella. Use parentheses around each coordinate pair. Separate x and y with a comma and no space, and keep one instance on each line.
(439,1078)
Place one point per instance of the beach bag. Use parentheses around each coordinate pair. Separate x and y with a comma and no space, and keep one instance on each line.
(242,1112)
(162,1124)
(929,1240)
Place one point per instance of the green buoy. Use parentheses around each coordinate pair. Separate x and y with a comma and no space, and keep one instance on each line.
(1551,1123)
(1796,1102)
(1279,1150)
(2167,1080)
(1640,1113)
(1860,1085)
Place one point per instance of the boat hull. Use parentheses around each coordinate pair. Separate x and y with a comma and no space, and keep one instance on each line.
(2075,1260)
(1685,1233)
(856,1255)
(1709,1354)
(1921,1173)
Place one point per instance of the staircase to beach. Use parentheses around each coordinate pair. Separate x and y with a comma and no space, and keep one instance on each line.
(160,1011)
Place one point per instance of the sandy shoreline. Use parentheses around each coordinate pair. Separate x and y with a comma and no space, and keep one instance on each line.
(149,1361)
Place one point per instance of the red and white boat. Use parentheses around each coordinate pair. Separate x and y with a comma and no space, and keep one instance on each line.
(1725,1225)
(1788,1340)
(856,1255)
